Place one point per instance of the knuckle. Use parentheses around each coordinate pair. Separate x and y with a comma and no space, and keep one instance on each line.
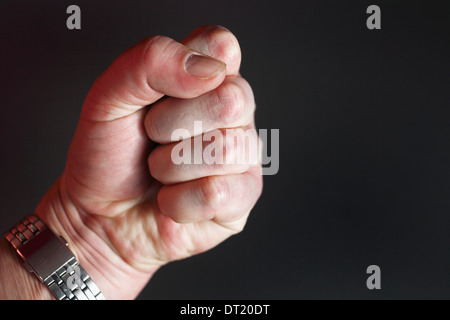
(161,55)
(231,102)
(229,150)
(241,146)
(154,46)
(214,191)
(223,44)
(233,146)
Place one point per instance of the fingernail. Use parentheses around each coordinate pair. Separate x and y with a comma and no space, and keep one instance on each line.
(203,67)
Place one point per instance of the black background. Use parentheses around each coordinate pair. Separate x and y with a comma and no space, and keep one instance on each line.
(364,126)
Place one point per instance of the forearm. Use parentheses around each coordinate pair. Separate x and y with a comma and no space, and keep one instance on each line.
(15,281)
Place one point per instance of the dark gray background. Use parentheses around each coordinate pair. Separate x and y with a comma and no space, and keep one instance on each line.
(364,136)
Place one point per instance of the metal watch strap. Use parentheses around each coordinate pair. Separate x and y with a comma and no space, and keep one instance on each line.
(47,256)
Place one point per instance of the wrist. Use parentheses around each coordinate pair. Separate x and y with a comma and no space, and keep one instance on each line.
(16,283)
(90,245)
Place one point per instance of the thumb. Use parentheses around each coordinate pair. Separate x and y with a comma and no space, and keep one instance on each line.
(154,67)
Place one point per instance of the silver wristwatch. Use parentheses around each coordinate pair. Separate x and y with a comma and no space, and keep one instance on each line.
(47,256)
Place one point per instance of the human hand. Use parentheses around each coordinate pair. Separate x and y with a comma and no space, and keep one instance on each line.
(122,204)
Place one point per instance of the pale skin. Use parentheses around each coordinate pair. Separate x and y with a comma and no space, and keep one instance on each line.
(122,205)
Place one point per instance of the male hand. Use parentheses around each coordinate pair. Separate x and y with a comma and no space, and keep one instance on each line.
(122,204)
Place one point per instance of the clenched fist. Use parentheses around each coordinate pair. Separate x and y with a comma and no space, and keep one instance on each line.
(122,204)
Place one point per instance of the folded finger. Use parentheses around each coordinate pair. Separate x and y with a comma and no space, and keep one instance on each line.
(223,199)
